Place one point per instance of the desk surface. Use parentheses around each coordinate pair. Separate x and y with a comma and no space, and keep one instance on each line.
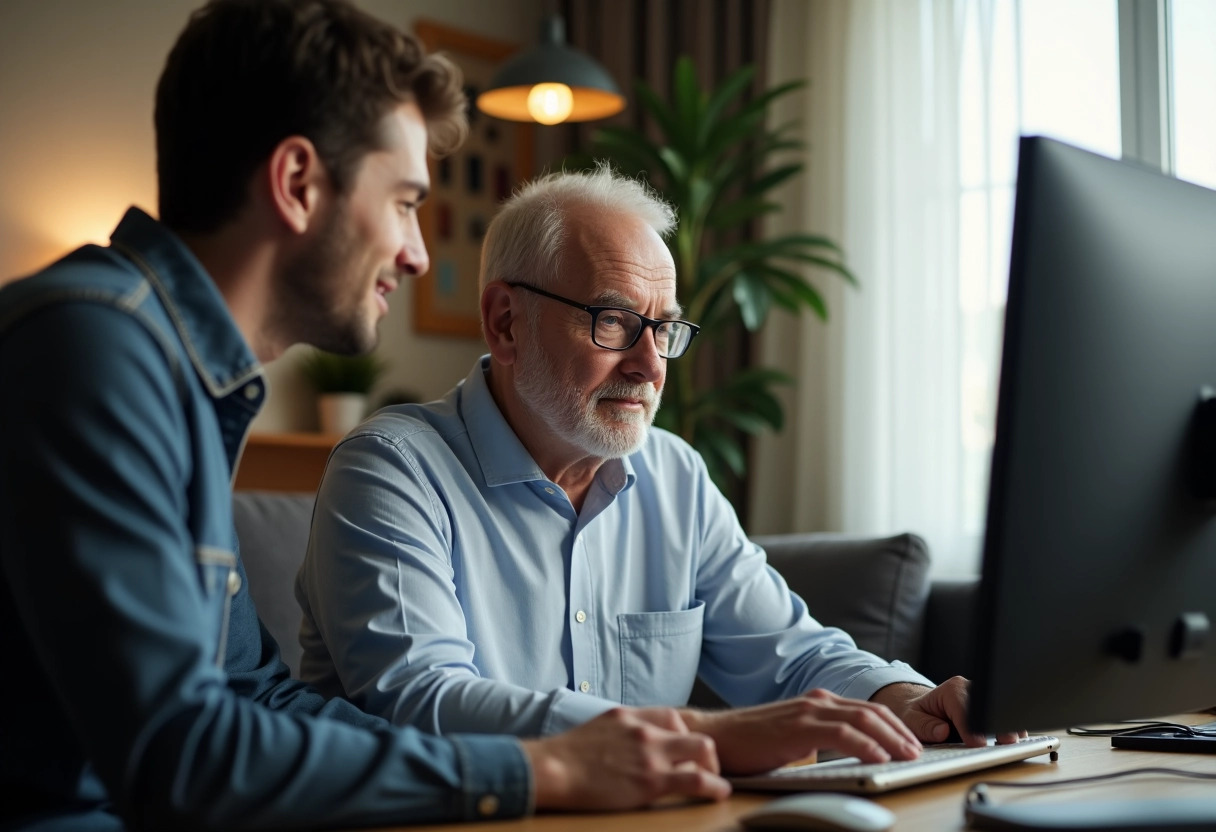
(936,806)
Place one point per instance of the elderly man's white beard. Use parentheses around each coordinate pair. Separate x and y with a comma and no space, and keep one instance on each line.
(556,399)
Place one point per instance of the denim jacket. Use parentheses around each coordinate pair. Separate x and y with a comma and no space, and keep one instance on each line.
(140,688)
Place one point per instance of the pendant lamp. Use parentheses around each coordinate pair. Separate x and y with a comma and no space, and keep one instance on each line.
(551,84)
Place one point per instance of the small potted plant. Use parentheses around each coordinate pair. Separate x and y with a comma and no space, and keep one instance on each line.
(343,383)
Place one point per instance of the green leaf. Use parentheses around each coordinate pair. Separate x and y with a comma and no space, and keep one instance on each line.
(332,373)
(630,144)
(737,167)
(802,291)
(823,262)
(792,243)
(768,408)
(686,99)
(751,294)
(700,199)
(740,211)
(760,103)
(731,88)
(722,446)
(745,420)
(658,110)
(772,179)
(728,133)
(759,378)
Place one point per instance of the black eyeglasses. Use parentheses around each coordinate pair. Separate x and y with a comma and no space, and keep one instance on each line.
(614,328)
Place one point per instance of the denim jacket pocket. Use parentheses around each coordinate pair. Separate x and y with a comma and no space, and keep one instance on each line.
(660,653)
(220,581)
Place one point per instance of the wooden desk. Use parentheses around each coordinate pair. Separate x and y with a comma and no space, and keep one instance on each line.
(928,808)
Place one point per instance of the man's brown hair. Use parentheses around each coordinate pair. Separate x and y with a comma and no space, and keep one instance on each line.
(246,74)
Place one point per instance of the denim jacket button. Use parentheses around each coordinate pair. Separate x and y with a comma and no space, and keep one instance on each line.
(234,583)
(487,806)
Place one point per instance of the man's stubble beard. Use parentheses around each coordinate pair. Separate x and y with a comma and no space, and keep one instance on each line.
(315,293)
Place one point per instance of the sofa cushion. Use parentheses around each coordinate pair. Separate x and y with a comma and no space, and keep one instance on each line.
(273,532)
(873,588)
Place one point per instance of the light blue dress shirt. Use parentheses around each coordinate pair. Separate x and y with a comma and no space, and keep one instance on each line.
(449,584)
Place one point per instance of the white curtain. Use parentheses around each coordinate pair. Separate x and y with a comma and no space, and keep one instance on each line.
(890,421)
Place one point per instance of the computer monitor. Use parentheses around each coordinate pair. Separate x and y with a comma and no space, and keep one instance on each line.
(1098,587)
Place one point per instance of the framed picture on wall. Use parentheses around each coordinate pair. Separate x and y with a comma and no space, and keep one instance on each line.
(466,188)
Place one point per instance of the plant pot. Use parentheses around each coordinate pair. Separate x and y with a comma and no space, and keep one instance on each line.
(339,413)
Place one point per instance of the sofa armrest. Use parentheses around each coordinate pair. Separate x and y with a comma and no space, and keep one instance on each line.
(949,629)
(873,588)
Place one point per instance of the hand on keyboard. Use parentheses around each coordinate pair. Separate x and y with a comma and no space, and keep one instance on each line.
(934,714)
(761,738)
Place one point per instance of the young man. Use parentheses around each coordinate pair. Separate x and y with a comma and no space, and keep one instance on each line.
(528,553)
(142,690)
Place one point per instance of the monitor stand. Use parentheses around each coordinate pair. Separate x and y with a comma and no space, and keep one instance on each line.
(1160,815)
(1157,814)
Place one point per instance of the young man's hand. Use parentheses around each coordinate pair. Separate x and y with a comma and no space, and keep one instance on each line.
(764,737)
(624,759)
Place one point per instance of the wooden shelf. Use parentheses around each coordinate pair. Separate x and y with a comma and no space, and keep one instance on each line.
(283,461)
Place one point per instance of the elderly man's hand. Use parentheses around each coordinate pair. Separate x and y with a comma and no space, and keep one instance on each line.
(930,712)
(764,737)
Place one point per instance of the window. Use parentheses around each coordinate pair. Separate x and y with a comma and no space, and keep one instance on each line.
(1193,71)
(1033,67)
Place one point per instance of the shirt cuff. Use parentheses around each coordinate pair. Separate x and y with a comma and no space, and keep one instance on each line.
(866,684)
(569,710)
(496,779)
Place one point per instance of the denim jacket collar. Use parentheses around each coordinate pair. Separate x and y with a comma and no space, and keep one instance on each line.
(216,347)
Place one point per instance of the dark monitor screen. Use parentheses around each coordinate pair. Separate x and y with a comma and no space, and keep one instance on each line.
(1098,585)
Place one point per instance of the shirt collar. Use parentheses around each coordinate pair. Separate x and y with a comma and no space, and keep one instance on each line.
(201,317)
(503,458)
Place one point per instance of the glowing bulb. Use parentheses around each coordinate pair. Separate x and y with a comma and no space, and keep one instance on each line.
(550,103)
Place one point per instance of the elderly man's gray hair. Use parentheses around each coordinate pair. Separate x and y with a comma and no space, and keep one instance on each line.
(525,239)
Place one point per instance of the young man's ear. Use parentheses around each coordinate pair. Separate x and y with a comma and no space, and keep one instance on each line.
(297,177)
(500,315)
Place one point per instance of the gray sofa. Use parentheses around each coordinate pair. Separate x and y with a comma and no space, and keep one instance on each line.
(875,588)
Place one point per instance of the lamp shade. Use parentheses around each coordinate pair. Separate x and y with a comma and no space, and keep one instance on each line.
(551,83)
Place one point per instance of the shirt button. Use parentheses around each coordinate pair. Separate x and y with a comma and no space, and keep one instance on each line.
(549,490)
(585,686)
(251,391)
(487,805)
(234,583)
(580,616)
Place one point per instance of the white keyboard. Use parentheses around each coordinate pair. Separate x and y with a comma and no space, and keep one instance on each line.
(935,762)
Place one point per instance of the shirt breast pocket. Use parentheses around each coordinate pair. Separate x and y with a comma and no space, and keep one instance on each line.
(660,653)
(219,580)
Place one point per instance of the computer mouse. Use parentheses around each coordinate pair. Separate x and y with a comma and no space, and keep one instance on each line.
(819,811)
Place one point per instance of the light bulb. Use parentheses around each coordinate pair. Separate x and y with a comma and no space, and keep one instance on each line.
(550,103)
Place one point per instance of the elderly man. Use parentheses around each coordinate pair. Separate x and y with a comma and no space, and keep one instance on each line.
(527,552)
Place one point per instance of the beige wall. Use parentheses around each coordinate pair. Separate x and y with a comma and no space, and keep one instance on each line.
(76,148)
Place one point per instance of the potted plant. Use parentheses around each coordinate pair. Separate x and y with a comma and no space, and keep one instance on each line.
(343,383)
(713,160)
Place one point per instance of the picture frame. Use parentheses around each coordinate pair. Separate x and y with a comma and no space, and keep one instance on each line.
(466,188)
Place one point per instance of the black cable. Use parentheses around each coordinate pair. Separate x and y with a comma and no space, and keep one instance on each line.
(1136,727)
(978,793)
